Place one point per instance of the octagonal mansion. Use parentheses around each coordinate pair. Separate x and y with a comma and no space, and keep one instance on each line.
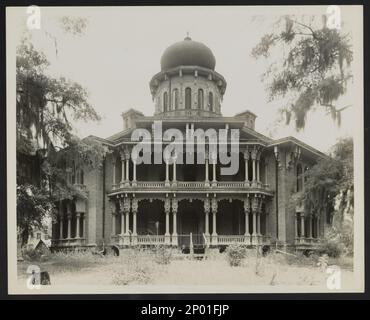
(191,205)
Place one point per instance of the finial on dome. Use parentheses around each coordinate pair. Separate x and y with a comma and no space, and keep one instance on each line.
(187,36)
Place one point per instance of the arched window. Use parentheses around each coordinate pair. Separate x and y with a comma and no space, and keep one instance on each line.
(299,177)
(200,99)
(187,98)
(210,101)
(175,99)
(165,101)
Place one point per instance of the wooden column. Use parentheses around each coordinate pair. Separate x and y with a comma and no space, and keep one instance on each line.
(69,217)
(134,172)
(247,209)
(122,223)
(113,211)
(302,225)
(246,163)
(167,209)
(167,181)
(214,207)
(296,225)
(114,171)
(207,173)
(122,168)
(134,208)
(78,216)
(207,209)
(174,222)
(61,220)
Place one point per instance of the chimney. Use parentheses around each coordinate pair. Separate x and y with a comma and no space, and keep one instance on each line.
(129,117)
(248,117)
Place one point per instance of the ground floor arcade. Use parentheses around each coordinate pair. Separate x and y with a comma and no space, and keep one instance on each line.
(182,221)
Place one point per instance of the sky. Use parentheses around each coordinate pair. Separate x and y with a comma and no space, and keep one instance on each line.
(121,48)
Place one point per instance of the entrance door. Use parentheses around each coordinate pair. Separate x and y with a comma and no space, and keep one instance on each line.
(190,222)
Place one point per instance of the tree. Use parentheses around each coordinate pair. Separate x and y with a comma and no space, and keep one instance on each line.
(314,70)
(46,144)
(329,189)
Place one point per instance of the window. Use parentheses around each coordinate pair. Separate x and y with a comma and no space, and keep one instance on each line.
(38,235)
(165,102)
(81,177)
(187,98)
(200,99)
(210,101)
(175,99)
(299,177)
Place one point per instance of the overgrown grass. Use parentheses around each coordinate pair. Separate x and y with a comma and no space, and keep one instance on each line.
(159,266)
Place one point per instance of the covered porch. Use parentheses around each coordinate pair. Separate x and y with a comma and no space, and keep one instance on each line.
(184,222)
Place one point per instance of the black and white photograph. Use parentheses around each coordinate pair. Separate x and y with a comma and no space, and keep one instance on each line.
(185,149)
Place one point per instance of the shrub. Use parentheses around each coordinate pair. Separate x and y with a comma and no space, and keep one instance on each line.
(137,267)
(332,248)
(236,253)
(31,254)
(133,273)
(163,255)
(40,255)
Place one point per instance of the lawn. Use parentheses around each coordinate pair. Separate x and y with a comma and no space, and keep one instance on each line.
(140,267)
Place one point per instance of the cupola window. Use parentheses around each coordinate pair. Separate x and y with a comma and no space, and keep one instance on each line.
(187,98)
(165,102)
(200,99)
(210,101)
(175,99)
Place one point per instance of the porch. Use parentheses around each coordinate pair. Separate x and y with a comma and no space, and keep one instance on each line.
(190,222)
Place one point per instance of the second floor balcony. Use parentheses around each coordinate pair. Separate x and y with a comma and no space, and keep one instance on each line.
(225,186)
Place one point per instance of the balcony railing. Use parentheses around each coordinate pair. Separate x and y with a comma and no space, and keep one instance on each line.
(68,242)
(307,241)
(193,185)
(150,239)
(229,239)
